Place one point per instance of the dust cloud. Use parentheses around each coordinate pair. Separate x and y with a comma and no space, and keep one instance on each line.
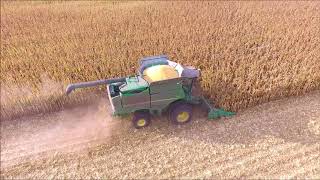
(66,131)
(93,121)
(13,92)
(69,130)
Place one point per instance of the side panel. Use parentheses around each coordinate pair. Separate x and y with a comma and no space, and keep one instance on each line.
(164,92)
(116,105)
(135,101)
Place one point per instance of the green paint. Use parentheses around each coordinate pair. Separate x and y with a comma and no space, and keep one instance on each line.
(134,84)
(216,113)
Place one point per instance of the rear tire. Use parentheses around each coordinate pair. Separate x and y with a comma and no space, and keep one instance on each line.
(141,119)
(180,113)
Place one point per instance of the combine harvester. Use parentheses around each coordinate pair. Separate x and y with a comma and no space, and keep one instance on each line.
(160,86)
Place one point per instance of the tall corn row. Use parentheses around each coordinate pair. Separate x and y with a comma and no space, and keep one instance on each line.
(249,52)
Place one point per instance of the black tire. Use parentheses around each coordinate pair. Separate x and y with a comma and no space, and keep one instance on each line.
(141,119)
(180,113)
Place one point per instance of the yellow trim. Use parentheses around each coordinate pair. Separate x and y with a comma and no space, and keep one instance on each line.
(183,116)
(141,122)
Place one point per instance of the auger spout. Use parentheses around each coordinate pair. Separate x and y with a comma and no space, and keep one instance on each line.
(74,86)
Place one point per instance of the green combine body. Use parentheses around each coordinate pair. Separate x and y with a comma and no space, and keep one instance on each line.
(144,97)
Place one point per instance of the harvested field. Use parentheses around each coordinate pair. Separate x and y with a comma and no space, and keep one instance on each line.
(249,52)
(280,139)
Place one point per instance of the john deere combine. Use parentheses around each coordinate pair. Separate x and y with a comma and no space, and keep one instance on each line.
(160,86)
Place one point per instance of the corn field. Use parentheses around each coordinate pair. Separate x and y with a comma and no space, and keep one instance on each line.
(248,52)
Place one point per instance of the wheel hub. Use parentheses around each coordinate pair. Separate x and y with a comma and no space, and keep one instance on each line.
(183,116)
(141,122)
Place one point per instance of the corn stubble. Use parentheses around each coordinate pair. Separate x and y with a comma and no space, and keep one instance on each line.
(248,52)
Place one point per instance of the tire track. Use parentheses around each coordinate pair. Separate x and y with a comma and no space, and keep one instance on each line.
(280,159)
(73,147)
(223,153)
(44,144)
(141,156)
(313,170)
(290,167)
(261,154)
(237,154)
(310,165)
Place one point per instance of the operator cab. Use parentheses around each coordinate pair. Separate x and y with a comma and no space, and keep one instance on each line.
(134,84)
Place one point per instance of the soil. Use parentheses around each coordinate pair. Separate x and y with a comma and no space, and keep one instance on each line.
(279,139)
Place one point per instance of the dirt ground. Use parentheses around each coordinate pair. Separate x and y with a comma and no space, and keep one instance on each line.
(280,139)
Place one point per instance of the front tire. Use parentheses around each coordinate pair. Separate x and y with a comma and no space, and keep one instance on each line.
(180,113)
(141,119)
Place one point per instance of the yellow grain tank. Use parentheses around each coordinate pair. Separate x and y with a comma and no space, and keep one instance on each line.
(159,73)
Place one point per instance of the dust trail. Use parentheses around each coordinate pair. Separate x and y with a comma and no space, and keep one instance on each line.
(28,99)
(66,131)
(94,121)
(18,100)
(12,92)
